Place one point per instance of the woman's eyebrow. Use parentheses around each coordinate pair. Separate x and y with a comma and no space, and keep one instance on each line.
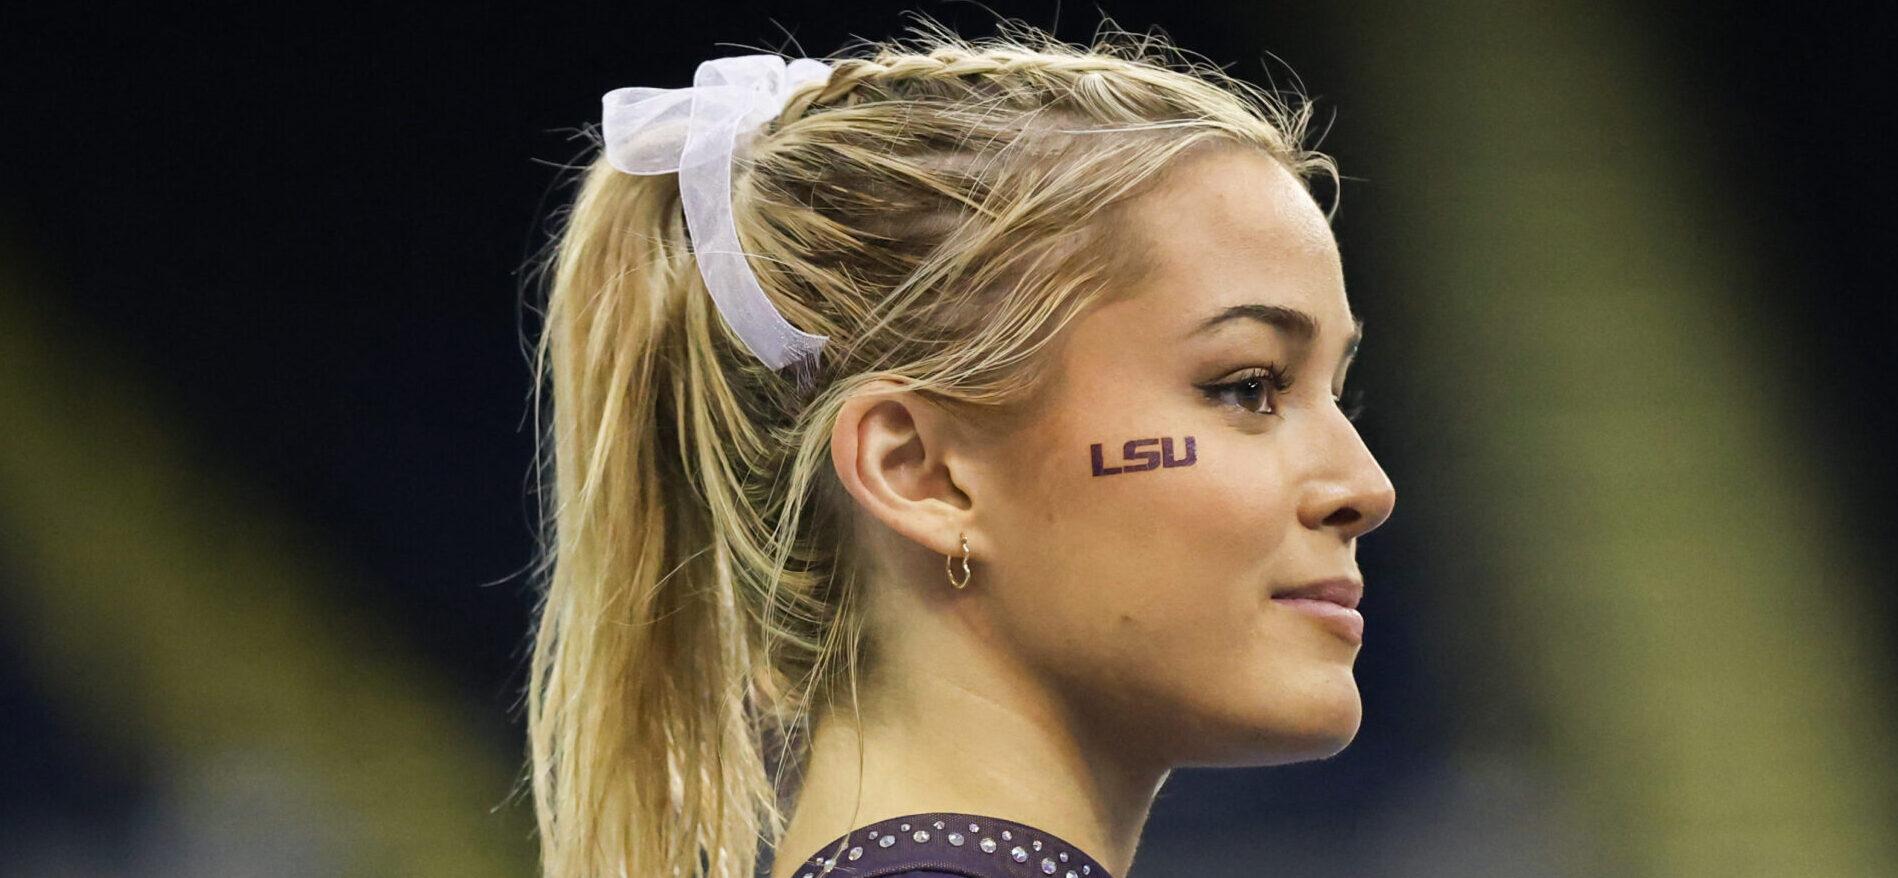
(1302,327)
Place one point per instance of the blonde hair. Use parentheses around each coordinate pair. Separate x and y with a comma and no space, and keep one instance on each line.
(939,208)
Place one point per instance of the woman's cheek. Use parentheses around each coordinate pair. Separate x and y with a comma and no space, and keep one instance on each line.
(1176,507)
(1180,484)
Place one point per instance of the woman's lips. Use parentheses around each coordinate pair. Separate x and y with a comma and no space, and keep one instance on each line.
(1344,621)
(1341,590)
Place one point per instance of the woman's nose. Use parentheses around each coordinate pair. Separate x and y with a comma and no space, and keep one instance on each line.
(1353,495)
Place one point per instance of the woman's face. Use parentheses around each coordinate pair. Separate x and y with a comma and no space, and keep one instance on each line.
(1131,537)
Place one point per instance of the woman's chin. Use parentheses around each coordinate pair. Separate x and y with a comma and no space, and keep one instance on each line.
(1318,724)
(1318,733)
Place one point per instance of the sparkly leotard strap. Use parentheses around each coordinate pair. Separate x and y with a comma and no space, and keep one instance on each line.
(951,843)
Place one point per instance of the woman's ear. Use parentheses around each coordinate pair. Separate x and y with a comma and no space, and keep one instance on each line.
(900,457)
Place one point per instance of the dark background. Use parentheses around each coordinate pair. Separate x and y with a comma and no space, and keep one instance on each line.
(302,235)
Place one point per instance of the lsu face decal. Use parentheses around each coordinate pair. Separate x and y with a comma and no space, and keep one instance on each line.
(1137,456)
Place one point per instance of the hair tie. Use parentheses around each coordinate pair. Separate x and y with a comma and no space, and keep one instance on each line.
(694,132)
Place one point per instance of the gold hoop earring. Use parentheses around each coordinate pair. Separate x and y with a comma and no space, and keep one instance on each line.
(947,559)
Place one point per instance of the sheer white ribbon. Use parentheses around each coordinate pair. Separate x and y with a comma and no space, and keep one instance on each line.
(693,132)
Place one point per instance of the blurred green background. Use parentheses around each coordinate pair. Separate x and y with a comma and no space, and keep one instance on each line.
(265,461)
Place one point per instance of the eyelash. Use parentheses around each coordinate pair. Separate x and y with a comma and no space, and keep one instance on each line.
(1280,381)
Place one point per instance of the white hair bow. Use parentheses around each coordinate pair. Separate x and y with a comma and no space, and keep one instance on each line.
(694,132)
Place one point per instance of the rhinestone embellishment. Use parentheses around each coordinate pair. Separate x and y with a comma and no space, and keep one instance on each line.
(1006,836)
(1047,865)
(1021,856)
(974,828)
(1037,844)
(955,838)
(1064,856)
(1070,874)
(856,853)
(921,835)
(938,824)
(904,827)
(886,841)
(987,845)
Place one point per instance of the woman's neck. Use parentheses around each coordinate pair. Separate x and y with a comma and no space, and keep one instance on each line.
(973,742)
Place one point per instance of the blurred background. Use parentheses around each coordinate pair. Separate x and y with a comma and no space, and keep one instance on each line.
(265,441)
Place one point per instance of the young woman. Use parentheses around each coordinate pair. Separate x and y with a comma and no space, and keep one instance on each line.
(945,444)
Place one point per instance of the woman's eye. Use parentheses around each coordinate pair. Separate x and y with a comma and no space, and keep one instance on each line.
(1254,390)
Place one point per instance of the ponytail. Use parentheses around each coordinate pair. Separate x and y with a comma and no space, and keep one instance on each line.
(645,763)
